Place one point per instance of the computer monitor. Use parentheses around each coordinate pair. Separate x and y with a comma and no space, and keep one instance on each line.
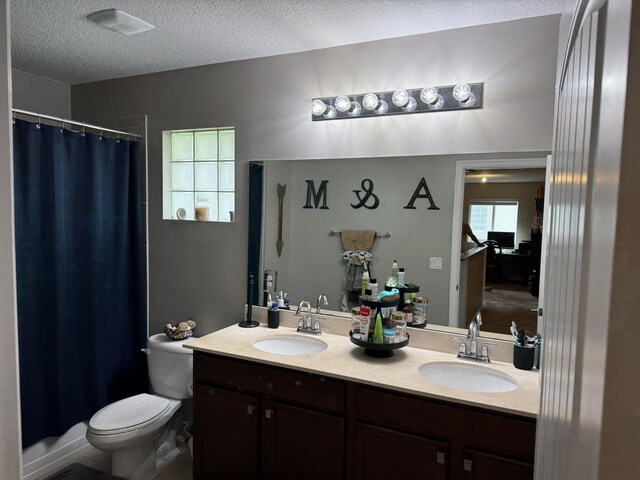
(504,239)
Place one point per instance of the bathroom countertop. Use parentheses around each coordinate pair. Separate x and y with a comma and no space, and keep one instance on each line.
(344,360)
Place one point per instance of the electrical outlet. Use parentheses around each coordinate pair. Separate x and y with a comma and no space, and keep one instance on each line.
(435,263)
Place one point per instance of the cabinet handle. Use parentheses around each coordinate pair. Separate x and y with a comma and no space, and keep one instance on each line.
(270,385)
(297,383)
(440,458)
(268,413)
(468,465)
(251,409)
(210,391)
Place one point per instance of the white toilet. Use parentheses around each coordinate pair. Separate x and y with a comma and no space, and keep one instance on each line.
(140,431)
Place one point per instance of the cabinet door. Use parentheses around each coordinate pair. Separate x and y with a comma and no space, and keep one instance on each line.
(225,435)
(302,444)
(483,466)
(386,454)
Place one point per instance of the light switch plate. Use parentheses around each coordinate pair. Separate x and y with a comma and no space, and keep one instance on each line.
(435,263)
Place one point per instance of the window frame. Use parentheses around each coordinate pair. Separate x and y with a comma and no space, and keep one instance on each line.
(191,166)
(493,202)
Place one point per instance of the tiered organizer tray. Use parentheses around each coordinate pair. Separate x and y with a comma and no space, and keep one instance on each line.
(380,350)
(403,291)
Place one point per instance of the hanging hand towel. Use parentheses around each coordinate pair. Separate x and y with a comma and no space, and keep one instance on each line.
(356,244)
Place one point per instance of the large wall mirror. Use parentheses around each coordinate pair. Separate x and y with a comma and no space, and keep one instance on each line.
(304,201)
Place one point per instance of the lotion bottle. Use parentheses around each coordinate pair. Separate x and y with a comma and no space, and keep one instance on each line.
(365,282)
(394,270)
(401,276)
(378,331)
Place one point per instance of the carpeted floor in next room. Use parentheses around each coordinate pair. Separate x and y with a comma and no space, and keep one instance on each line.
(507,302)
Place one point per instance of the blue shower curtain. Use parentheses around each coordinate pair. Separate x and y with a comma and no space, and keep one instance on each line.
(80,270)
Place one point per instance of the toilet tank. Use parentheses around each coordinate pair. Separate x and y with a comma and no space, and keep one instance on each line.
(170,366)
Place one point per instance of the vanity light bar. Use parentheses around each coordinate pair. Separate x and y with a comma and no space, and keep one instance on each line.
(463,96)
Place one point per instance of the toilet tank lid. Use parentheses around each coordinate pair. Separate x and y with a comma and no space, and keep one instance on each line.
(161,342)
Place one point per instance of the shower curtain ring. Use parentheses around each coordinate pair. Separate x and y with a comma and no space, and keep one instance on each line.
(13,118)
(118,139)
(62,127)
(38,124)
(82,133)
(100,137)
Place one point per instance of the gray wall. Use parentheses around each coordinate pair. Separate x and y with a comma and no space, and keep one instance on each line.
(40,94)
(10,446)
(312,263)
(199,269)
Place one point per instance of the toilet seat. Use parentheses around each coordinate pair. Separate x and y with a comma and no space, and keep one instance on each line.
(141,413)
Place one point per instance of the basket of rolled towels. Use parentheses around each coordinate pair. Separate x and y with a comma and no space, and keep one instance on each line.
(181,330)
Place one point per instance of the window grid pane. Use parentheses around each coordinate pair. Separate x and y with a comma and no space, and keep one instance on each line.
(182,147)
(498,216)
(207,145)
(200,180)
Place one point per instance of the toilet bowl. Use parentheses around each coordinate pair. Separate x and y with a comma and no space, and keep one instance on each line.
(140,431)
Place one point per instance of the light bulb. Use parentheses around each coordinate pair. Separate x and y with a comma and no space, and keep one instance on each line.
(370,101)
(383,107)
(400,98)
(331,112)
(470,101)
(484,179)
(318,107)
(411,105)
(429,95)
(342,103)
(355,109)
(438,104)
(461,92)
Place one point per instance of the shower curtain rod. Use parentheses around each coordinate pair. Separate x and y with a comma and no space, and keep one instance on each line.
(73,122)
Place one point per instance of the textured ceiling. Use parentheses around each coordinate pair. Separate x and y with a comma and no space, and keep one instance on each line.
(53,38)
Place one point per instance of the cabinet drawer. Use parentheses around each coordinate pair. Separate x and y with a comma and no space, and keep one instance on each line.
(499,432)
(295,387)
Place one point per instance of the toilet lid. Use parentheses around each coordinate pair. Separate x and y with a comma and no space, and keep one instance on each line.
(129,414)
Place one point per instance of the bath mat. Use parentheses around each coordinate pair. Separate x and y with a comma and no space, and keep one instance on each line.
(77,471)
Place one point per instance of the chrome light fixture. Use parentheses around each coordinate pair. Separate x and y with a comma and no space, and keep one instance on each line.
(401,101)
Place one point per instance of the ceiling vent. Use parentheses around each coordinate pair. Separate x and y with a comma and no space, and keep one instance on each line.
(119,21)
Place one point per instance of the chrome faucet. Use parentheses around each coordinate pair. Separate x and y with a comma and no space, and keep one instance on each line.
(305,324)
(472,336)
(321,298)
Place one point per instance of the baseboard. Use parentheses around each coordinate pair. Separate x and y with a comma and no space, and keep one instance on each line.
(51,454)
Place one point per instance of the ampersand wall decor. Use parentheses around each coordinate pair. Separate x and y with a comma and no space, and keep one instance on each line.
(367,186)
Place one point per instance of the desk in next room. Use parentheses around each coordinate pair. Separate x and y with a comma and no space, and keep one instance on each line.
(516,267)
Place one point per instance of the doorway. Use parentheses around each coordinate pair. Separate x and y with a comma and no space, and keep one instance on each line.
(498,198)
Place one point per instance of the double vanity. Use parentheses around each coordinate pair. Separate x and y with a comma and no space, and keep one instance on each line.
(277,404)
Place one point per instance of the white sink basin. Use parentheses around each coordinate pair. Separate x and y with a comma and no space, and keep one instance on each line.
(468,377)
(290,345)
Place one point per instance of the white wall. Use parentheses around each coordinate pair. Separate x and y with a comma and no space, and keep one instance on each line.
(199,269)
(10,445)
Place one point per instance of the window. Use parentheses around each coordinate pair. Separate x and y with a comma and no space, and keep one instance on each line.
(492,215)
(199,174)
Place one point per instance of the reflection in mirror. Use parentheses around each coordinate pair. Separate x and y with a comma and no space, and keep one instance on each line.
(359,194)
(504,208)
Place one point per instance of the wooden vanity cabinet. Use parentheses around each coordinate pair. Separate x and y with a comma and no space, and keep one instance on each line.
(256,422)
(253,421)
